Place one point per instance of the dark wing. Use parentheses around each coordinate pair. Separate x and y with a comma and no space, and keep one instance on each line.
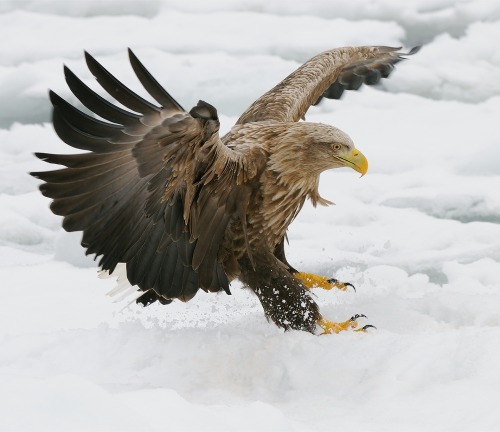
(325,75)
(156,188)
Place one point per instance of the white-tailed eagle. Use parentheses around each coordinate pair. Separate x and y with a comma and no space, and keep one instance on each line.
(159,191)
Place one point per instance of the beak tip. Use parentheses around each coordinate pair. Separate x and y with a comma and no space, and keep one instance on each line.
(362,170)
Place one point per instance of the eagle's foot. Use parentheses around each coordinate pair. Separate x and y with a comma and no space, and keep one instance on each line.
(330,327)
(311,280)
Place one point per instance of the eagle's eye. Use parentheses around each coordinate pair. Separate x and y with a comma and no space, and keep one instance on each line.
(337,147)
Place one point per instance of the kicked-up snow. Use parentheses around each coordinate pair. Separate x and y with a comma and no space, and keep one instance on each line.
(419,235)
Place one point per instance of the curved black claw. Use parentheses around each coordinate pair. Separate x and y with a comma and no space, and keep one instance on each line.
(367,326)
(355,317)
(351,285)
(336,281)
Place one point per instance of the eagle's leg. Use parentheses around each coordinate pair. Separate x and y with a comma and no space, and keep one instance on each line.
(310,280)
(284,298)
(330,327)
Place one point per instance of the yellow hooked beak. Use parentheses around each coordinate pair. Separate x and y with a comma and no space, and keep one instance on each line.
(355,160)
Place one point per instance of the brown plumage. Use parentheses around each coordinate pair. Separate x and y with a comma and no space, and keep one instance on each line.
(159,190)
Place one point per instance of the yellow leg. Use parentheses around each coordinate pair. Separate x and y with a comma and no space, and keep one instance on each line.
(330,327)
(314,281)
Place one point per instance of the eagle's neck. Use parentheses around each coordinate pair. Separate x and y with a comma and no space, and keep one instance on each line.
(294,172)
(290,176)
(282,198)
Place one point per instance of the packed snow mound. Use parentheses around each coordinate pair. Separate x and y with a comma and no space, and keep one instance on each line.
(418,236)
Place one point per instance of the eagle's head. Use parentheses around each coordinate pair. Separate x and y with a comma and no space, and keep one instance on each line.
(328,147)
(312,148)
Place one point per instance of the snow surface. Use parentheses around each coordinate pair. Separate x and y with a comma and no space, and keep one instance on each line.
(419,236)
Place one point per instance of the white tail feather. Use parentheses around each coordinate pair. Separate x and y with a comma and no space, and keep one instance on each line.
(123,289)
(132,300)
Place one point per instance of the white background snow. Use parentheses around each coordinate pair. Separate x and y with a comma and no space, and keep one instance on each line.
(419,236)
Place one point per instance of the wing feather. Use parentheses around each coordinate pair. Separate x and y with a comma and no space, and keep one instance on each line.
(81,120)
(151,85)
(118,90)
(78,138)
(97,104)
(79,160)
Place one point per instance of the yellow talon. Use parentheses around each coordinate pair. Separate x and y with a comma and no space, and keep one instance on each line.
(311,280)
(330,327)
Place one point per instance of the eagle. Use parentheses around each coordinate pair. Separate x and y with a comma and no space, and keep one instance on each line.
(158,192)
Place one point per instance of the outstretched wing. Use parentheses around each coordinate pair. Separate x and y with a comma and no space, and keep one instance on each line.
(156,189)
(326,75)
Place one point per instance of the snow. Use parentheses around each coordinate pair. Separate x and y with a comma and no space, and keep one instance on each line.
(418,235)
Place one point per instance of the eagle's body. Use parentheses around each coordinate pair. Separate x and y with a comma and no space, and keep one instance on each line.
(183,208)
(285,175)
